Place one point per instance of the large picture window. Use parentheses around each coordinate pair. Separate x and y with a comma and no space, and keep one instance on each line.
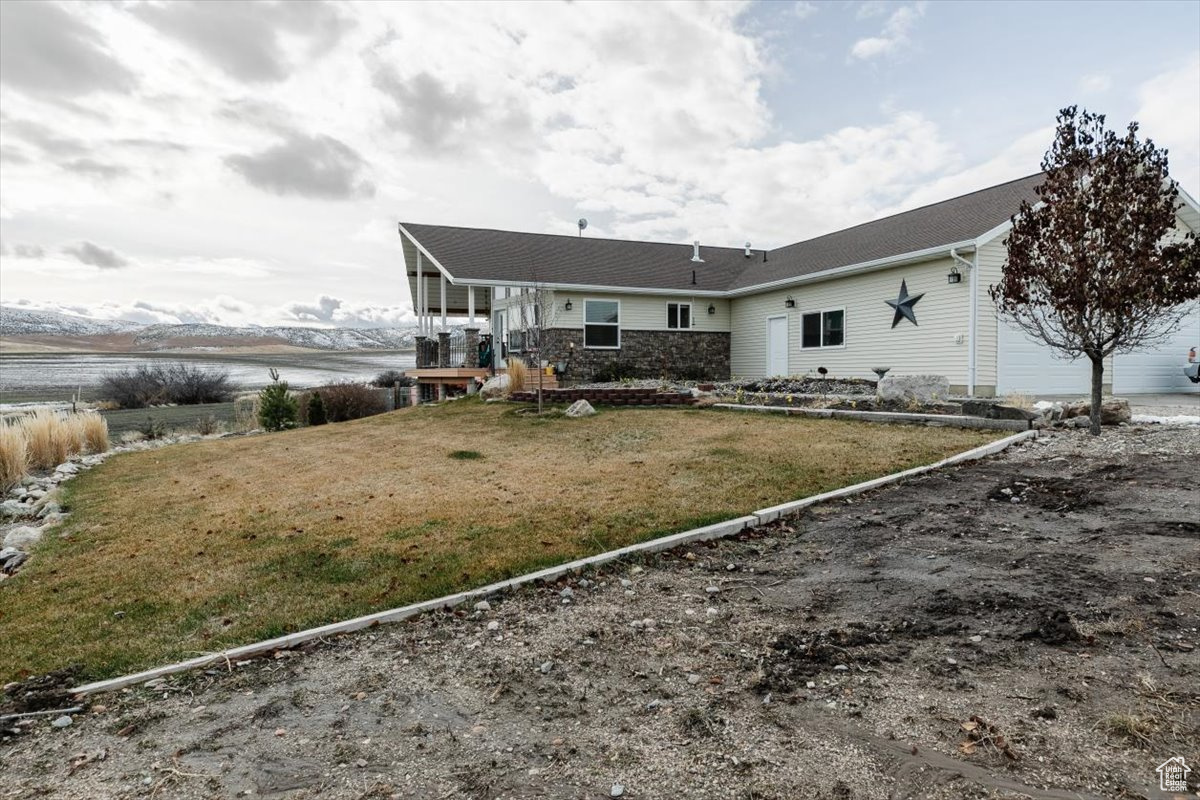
(679,316)
(823,329)
(602,324)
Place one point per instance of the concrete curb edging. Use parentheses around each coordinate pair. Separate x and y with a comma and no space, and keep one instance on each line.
(717,531)
(898,417)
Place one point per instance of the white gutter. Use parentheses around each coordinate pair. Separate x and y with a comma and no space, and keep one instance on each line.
(972,314)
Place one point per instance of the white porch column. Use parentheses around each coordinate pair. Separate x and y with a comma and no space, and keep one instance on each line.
(443,276)
(470,306)
(420,299)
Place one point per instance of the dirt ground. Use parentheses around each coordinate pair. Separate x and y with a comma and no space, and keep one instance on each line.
(1024,627)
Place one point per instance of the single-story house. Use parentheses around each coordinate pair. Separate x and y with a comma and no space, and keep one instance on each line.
(907,292)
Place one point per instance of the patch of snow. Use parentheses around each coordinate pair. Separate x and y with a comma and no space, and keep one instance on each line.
(1154,419)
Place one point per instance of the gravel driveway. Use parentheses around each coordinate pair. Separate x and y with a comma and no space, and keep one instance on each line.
(1021,627)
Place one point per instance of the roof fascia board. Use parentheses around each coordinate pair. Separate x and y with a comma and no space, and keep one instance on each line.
(588,287)
(864,266)
(428,255)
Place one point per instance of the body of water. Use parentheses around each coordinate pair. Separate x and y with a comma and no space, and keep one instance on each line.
(29,376)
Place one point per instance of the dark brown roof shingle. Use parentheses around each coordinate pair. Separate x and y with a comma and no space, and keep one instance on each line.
(509,256)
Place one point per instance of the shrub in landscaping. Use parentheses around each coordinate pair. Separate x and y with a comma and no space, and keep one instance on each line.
(14,462)
(152,429)
(47,439)
(346,401)
(207,425)
(277,409)
(615,371)
(390,377)
(517,374)
(315,410)
(94,429)
(157,384)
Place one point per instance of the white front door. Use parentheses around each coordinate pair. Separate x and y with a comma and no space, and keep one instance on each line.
(777,340)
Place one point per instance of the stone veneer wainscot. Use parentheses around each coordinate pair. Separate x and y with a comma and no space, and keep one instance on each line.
(650,354)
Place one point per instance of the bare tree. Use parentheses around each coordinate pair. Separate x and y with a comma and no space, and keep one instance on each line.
(1095,267)
(535,313)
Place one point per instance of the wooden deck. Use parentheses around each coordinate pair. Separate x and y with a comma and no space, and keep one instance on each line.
(461,375)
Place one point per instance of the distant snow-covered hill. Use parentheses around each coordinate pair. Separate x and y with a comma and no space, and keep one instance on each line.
(20,323)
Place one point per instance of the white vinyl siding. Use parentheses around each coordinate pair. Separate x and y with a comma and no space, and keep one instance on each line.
(936,345)
(643,312)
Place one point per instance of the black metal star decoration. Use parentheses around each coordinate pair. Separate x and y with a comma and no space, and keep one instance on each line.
(904,305)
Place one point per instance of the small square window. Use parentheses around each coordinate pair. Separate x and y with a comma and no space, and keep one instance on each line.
(679,316)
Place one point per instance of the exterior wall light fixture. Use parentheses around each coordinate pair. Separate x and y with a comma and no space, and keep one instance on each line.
(955,276)
(790,302)
(712,309)
(568,305)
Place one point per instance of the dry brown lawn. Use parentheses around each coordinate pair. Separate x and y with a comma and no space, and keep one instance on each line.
(192,548)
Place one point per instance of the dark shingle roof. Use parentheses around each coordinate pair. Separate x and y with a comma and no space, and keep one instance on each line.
(500,256)
(948,222)
(491,255)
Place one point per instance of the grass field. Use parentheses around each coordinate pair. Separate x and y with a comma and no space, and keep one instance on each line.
(192,548)
(172,418)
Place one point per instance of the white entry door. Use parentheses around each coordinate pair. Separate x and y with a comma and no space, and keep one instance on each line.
(777,341)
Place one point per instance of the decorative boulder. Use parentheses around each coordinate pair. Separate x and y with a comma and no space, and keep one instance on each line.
(494,387)
(1113,410)
(913,388)
(22,537)
(993,410)
(581,408)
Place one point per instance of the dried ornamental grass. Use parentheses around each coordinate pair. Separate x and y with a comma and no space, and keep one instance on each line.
(47,440)
(518,374)
(14,462)
(94,430)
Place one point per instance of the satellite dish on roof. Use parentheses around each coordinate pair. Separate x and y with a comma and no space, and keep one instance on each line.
(582,224)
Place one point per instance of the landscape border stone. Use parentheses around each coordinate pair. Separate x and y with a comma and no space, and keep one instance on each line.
(708,532)
(891,417)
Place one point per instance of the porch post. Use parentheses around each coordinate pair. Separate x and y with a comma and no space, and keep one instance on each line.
(471,342)
(443,276)
(471,306)
(443,346)
(420,299)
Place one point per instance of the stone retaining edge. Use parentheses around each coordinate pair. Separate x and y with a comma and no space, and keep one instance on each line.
(896,417)
(717,531)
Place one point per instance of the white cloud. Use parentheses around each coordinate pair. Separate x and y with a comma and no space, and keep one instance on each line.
(803,9)
(1096,83)
(895,36)
(1169,113)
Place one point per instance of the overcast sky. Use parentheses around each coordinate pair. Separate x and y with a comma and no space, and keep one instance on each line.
(247,162)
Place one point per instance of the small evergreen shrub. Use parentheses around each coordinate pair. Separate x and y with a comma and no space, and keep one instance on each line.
(316,409)
(277,409)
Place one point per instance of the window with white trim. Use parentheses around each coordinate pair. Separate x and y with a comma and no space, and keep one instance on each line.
(679,316)
(823,328)
(602,324)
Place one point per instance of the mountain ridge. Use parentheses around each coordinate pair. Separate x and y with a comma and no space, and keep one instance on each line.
(48,327)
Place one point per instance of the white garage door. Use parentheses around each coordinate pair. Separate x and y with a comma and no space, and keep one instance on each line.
(1160,369)
(1027,367)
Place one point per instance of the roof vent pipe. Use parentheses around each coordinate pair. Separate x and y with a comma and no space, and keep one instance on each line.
(696,251)
(748,250)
